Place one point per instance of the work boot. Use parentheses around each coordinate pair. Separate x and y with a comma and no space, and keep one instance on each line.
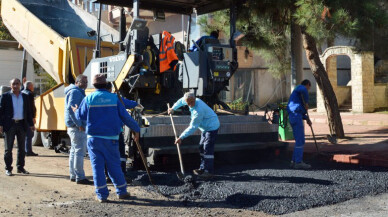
(205,175)
(302,165)
(22,170)
(101,200)
(124,196)
(85,182)
(198,172)
(292,164)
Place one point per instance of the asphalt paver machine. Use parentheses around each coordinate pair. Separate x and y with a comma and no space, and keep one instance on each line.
(133,64)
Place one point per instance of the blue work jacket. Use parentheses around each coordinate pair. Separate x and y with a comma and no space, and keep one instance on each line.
(104,114)
(295,106)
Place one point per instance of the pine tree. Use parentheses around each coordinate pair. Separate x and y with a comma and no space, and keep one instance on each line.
(266,25)
(4,33)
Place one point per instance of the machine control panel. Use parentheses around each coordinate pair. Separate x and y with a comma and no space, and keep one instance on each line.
(217,53)
(221,66)
(219,59)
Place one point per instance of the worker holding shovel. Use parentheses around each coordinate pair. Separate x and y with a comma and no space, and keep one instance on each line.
(297,112)
(204,118)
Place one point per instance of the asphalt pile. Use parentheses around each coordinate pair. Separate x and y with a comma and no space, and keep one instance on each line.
(272,187)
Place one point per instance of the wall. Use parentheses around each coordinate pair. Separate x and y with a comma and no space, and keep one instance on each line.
(256,86)
(381,95)
(343,94)
(11,65)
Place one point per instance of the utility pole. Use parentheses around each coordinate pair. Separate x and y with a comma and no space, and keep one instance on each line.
(24,65)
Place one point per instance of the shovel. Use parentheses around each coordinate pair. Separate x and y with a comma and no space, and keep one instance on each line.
(140,150)
(331,138)
(181,174)
(311,127)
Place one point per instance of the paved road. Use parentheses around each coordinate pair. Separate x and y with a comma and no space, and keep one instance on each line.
(371,206)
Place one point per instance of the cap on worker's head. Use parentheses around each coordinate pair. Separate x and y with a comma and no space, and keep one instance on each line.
(99,79)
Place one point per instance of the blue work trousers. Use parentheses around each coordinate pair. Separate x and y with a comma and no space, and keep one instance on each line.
(298,131)
(206,150)
(106,152)
(77,153)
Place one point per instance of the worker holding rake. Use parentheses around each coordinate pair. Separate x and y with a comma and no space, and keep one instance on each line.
(204,118)
(297,112)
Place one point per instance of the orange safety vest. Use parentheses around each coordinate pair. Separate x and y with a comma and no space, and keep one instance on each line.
(167,56)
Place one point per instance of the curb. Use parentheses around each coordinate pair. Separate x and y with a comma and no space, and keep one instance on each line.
(361,159)
(352,122)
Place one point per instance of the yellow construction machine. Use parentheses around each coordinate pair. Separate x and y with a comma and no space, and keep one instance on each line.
(57,34)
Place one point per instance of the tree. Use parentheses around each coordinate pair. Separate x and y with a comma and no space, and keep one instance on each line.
(4,33)
(266,25)
(320,20)
(267,32)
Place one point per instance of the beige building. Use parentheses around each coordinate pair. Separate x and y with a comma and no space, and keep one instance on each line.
(253,83)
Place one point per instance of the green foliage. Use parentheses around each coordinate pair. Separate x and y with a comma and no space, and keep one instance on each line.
(238,104)
(266,24)
(266,31)
(326,19)
(49,82)
(218,20)
(4,33)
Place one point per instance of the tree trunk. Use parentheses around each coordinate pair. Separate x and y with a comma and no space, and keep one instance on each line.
(322,79)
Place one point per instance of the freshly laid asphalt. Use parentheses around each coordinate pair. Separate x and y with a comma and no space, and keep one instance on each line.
(269,185)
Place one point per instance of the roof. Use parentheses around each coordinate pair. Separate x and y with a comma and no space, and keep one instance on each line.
(174,6)
(7,44)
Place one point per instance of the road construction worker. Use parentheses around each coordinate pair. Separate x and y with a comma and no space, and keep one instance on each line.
(104,115)
(204,118)
(297,112)
(129,104)
(200,41)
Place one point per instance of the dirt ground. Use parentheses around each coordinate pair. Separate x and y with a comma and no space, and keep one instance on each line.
(47,191)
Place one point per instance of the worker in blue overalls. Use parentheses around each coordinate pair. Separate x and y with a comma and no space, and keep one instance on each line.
(128,104)
(104,115)
(297,112)
(204,118)
(201,40)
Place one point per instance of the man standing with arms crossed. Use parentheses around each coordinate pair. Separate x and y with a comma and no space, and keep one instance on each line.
(105,114)
(297,112)
(204,118)
(15,118)
(75,93)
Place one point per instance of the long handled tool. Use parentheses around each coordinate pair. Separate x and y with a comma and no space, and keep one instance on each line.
(311,127)
(181,174)
(140,150)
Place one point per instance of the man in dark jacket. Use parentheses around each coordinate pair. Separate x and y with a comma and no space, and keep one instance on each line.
(75,93)
(29,91)
(15,119)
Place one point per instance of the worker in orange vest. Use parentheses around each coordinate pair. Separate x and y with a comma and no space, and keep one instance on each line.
(167,56)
